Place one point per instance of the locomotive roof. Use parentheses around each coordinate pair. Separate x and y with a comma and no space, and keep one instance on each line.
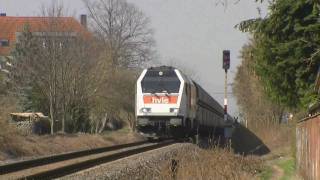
(162,68)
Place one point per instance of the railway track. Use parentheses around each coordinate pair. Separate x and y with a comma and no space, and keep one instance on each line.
(64,164)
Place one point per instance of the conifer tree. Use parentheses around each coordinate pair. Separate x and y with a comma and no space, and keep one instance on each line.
(287,51)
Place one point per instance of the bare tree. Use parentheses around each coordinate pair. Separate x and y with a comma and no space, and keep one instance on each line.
(124,30)
(56,61)
(184,68)
(75,75)
(113,101)
(128,42)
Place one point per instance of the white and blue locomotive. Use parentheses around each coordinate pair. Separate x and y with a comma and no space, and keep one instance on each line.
(169,104)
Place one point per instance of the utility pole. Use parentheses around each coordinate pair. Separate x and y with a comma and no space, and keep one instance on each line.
(226,67)
(225,101)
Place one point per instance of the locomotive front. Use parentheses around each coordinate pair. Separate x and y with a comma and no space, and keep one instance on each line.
(159,112)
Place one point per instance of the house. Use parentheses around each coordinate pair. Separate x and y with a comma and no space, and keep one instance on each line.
(58,27)
(12,27)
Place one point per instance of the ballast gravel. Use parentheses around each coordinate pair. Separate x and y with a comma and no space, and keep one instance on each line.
(145,165)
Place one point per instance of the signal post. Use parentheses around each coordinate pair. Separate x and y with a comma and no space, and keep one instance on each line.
(226,67)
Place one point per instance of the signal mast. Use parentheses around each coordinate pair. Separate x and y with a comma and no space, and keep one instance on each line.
(226,67)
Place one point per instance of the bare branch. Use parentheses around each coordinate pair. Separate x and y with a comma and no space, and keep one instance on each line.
(124,29)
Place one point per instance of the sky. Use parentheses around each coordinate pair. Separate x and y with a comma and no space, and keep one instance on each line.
(189,33)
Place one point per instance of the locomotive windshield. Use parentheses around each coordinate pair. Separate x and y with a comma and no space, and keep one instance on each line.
(157,81)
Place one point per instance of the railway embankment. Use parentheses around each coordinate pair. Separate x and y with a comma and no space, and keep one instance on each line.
(18,147)
(247,158)
(178,161)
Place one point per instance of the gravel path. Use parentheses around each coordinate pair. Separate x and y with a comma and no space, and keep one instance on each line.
(141,166)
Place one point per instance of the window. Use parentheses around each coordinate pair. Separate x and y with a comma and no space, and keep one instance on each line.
(4,42)
(156,81)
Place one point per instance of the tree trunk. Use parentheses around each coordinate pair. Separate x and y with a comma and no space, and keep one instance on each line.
(51,114)
(131,122)
(63,122)
(103,125)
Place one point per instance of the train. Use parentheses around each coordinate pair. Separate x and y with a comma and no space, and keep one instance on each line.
(170,104)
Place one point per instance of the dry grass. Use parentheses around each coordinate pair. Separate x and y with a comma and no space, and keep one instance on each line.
(263,140)
(277,136)
(19,146)
(14,144)
(10,139)
(215,163)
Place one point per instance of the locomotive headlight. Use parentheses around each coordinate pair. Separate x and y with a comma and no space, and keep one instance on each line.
(145,110)
(174,110)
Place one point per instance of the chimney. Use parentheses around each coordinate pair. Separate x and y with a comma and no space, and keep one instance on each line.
(3,14)
(83,20)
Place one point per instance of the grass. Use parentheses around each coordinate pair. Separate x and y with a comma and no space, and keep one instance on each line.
(124,130)
(266,173)
(13,145)
(215,163)
(288,167)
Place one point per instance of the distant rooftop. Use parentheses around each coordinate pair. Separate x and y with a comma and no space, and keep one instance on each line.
(10,25)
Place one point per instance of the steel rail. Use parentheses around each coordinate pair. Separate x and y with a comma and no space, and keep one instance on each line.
(73,168)
(20,165)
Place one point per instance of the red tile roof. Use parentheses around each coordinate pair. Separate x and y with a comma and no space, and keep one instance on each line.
(10,25)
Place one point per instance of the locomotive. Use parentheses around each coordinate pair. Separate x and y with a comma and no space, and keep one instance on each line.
(170,104)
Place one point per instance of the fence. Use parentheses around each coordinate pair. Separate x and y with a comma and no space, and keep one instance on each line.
(308,147)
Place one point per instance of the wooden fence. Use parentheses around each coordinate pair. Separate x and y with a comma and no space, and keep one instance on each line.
(308,147)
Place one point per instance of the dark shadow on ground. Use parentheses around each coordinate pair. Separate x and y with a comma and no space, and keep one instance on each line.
(247,143)
(243,142)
